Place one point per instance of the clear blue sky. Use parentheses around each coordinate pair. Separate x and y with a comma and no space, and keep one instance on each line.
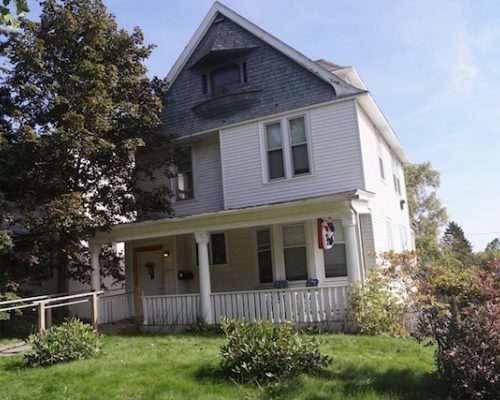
(432,66)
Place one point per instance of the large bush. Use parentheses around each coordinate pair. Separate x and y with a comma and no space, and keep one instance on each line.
(461,312)
(379,306)
(72,340)
(263,353)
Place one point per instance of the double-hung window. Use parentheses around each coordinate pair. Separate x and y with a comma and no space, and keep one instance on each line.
(264,256)
(287,148)
(217,253)
(294,248)
(380,157)
(298,146)
(184,187)
(335,258)
(275,159)
(396,175)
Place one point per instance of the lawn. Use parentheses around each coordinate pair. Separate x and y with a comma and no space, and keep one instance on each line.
(185,366)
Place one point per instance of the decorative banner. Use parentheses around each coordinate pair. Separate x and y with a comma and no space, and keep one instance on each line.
(326,234)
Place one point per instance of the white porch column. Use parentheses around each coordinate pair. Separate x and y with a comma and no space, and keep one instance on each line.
(202,239)
(95,276)
(351,248)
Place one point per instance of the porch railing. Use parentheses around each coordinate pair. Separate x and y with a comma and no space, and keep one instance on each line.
(181,309)
(302,305)
(116,307)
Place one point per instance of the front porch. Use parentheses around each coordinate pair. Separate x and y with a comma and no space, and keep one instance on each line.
(260,263)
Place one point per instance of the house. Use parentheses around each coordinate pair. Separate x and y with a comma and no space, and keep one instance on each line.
(281,152)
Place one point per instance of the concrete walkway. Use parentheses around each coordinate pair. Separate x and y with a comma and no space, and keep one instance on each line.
(13,349)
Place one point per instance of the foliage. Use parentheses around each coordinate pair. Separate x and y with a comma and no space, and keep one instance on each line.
(380,305)
(494,245)
(77,112)
(263,353)
(7,296)
(7,17)
(427,215)
(456,246)
(73,340)
(461,312)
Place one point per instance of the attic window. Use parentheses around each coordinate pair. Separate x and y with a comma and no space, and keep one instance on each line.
(226,79)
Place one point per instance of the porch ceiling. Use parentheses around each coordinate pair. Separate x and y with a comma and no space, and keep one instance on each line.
(298,210)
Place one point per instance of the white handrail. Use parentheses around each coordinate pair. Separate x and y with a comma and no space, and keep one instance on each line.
(22,300)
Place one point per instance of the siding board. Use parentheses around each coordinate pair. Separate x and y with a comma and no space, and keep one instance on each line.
(336,156)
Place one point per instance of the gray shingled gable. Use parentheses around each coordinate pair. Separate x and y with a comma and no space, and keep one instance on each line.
(275,84)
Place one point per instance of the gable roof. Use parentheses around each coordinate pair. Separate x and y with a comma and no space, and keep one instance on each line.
(341,88)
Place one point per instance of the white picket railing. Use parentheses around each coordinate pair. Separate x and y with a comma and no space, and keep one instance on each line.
(116,307)
(302,305)
(181,309)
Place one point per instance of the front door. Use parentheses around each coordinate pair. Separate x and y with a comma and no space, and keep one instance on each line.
(152,271)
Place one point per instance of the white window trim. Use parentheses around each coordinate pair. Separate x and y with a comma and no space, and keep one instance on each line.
(210,251)
(287,148)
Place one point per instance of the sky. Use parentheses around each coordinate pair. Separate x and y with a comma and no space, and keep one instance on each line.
(433,68)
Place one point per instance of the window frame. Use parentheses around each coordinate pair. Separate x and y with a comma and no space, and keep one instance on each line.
(175,180)
(284,247)
(381,165)
(210,251)
(257,251)
(207,77)
(338,225)
(284,122)
(396,175)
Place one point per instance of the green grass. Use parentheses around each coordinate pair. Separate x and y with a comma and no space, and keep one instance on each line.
(185,366)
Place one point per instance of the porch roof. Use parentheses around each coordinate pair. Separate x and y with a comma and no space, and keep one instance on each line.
(268,214)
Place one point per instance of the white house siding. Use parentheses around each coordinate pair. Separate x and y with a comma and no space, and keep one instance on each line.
(207,177)
(207,180)
(336,159)
(385,205)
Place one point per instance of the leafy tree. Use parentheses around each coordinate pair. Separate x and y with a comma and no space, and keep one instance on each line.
(427,215)
(494,245)
(456,244)
(80,110)
(7,17)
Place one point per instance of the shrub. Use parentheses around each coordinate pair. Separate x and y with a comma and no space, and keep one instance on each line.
(263,353)
(461,312)
(72,340)
(379,306)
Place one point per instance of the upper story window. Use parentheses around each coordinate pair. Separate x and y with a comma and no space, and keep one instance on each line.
(275,159)
(184,189)
(287,148)
(396,175)
(224,80)
(380,157)
(298,145)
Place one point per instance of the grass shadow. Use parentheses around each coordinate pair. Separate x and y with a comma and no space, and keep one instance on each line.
(403,384)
